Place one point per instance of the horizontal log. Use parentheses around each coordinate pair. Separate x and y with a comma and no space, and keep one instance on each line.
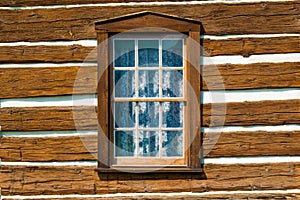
(85,118)
(84,147)
(66,2)
(252,113)
(48,149)
(78,53)
(247,46)
(36,180)
(217,19)
(254,143)
(48,118)
(41,53)
(47,81)
(199,196)
(250,76)
(50,81)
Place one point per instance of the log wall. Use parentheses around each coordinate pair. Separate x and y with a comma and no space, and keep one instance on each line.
(51,149)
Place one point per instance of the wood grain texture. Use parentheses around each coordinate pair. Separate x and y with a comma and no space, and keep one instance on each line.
(79,53)
(249,46)
(217,19)
(67,2)
(195,196)
(84,147)
(251,76)
(49,81)
(48,118)
(42,53)
(252,113)
(104,95)
(145,20)
(230,114)
(36,180)
(192,122)
(48,149)
(256,143)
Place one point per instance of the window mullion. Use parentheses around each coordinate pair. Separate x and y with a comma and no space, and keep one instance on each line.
(160,96)
(160,68)
(136,129)
(136,95)
(160,130)
(136,70)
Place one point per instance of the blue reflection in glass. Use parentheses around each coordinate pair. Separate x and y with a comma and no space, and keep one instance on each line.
(172,53)
(172,114)
(124,83)
(148,83)
(124,114)
(148,143)
(148,114)
(124,143)
(124,53)
(172,143)
(172,83)
(148,53)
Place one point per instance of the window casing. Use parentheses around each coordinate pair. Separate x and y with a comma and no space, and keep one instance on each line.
(115,97)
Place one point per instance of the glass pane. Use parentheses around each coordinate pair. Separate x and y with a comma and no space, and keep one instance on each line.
(124,114)
(124,53)
(124,143)
(148,143)
(172,114)
(148,114)
(172,53)
(124,83)
(148,83)
(172,83)
(172,143)
(148,53)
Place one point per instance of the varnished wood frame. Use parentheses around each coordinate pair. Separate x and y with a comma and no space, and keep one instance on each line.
(193,130)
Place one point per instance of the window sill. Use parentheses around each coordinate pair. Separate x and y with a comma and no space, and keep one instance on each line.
(149,170)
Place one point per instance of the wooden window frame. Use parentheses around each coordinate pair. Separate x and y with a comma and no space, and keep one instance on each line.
(106,29)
